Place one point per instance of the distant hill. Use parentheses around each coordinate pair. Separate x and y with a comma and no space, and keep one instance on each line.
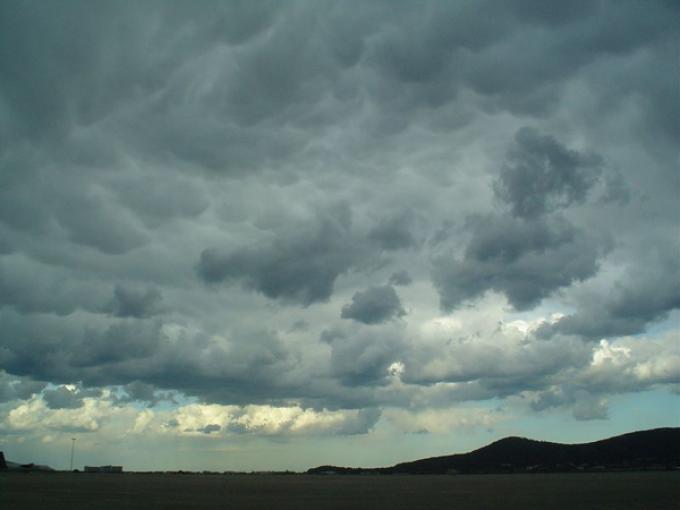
(649,449)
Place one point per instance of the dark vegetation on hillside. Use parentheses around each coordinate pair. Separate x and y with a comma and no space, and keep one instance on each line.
(650,449)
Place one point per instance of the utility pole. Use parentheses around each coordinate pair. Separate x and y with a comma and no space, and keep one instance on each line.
(73,446)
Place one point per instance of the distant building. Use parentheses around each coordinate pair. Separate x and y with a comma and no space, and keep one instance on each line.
(6,465)
(103,469)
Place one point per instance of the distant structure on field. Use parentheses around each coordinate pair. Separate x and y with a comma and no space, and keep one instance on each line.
(103,469)
(6,465)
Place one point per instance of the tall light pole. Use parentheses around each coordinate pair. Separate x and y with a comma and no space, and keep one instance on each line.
(73,447)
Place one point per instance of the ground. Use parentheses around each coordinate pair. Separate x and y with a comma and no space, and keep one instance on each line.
(616,491)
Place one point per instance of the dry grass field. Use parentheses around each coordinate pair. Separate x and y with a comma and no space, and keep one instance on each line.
(616,491)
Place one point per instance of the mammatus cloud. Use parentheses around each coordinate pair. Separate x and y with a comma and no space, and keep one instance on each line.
(529,256)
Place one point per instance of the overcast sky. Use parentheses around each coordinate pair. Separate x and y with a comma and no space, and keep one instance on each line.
(272,235)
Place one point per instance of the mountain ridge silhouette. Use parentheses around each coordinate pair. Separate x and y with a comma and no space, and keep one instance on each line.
(647,449)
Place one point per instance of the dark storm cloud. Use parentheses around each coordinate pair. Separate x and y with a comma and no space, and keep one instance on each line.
(55,197)
(119,342)
(32,288)
(138,303)
(521,74)
(140,134)
(526,260)
(543,175)
(63,351)
(139,356)
(301,267)
(75,63)
(374,305)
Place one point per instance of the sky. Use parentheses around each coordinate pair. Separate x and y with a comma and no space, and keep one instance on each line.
(254,235)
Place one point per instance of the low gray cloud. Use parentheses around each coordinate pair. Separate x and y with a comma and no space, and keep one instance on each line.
(209,429)
(543,175)
(62,398)
(361,423)
(501,361)
(89,222)
(138,391)
(18,388)
(117,343)
(374,306)
(301,267)
(133,302)
(616,190)
(584,405)
(361,357)
(394,233)
(158,200)
(400,278)
(63,351)
(526,260)
(648,294)
(30,287)
(588,409)
(67,398)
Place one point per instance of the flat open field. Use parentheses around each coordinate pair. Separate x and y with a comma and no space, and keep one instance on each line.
(616,491)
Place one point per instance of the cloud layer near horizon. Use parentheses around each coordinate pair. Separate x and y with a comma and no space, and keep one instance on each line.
(346,212)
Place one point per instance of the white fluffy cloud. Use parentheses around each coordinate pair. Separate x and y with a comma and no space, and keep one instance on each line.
(109,417)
